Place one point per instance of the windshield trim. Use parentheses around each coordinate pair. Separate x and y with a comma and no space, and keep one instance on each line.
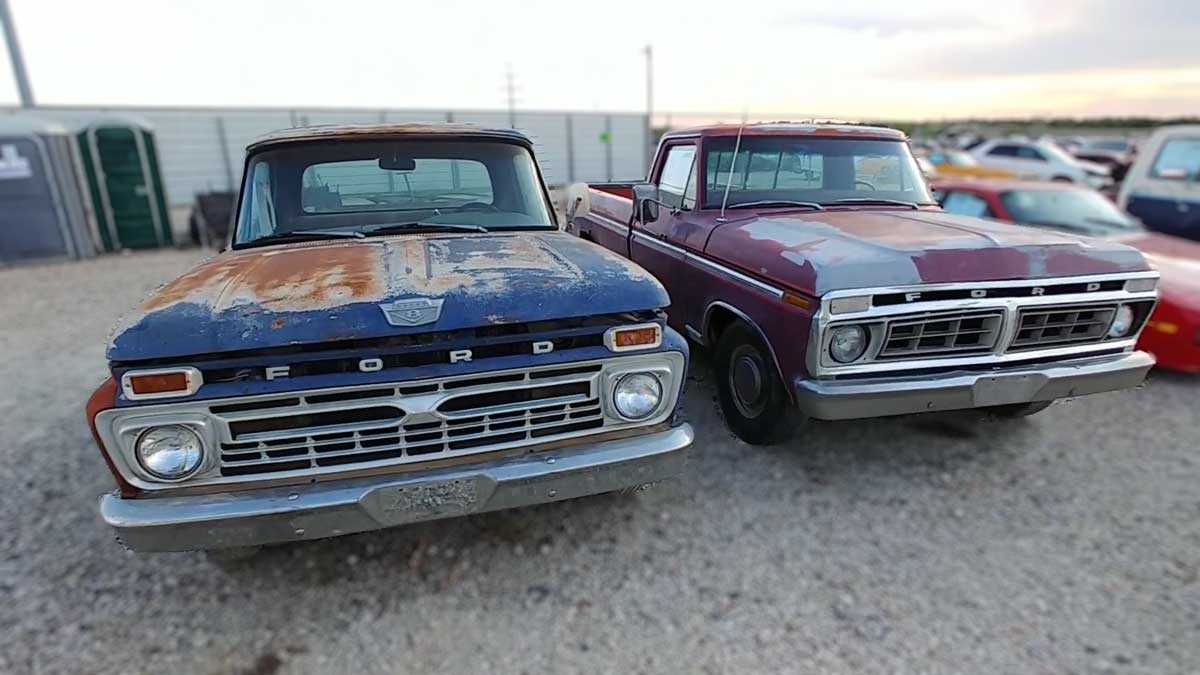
(518,140)
(701,167)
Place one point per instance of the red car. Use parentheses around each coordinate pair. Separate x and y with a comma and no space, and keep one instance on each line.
(1173,333)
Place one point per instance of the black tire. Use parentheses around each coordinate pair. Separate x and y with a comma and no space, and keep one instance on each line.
(753,398)
(1018,410)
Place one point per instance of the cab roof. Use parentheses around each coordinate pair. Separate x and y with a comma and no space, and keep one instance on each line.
(809,128)
(425,130)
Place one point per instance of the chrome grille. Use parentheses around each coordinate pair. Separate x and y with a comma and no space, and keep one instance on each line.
(945,333)
(453,417)
(1059,326)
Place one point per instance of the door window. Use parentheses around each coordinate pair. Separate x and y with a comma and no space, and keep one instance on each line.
(1179,159)
(676,187)
(1026,152)
(1003,151)
(966,204)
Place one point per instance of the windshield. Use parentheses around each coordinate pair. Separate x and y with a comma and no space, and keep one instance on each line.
(1076,210)
(344,188)
(787,168)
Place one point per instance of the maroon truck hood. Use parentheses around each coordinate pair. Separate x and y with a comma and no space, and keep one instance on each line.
(820,252)
(1177,260)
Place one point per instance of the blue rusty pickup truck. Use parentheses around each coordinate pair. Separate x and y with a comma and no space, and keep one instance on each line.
(399,332)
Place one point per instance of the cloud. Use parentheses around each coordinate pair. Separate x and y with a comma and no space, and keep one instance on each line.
(1083,36)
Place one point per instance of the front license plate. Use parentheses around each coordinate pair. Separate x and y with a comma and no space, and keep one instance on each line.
(425,501)
(1005,389)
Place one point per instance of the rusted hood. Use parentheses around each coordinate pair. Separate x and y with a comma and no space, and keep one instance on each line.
(310,293)
(833,250)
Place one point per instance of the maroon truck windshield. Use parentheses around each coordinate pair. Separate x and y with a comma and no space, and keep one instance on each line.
(819,170)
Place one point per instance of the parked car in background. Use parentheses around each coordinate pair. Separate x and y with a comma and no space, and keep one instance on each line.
(400,333)
(814,264)
(1042,160)
(958,163)
(1162,187)
(1173,332)
(1115,153)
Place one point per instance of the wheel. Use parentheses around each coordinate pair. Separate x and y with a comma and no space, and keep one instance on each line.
(1017,410)
(753,398)
(1063,179)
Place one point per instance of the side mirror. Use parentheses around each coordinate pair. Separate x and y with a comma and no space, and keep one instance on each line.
(645,202)
(579,202)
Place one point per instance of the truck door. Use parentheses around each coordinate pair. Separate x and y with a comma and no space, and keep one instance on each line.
(652,245)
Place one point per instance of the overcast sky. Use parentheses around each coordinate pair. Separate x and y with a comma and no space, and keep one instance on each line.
(850,59)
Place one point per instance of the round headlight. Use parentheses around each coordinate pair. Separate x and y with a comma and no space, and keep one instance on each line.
(1122,323)
(637,395)
(847,343)
(169,452)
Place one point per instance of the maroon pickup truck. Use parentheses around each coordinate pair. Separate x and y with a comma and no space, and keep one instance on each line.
(826,282)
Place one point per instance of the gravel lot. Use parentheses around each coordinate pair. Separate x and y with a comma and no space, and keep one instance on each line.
(1066,543)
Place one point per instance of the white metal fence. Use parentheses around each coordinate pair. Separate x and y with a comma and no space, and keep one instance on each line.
(202,149)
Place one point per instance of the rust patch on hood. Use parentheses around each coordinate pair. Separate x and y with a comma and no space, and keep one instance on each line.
(286,279)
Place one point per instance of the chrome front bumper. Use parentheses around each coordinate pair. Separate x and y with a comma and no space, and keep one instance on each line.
(318,510)
(881,397)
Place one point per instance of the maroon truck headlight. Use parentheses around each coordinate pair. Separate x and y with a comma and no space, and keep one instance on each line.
(848,343)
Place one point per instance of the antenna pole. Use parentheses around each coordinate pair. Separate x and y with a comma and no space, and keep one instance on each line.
(512,96)
(737,145)
(24,90)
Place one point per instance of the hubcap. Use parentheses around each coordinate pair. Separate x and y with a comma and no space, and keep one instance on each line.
(747,380)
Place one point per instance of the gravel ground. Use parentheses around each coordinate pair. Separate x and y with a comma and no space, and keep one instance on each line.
(1066,543)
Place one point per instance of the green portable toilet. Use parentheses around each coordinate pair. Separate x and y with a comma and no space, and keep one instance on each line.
(120,160)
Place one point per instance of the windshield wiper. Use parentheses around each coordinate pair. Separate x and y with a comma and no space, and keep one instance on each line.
(304,235)
(778,202)
(874,200)
(388,228)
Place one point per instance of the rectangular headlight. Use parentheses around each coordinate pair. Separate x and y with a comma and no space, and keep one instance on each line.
(631,338)
(1141,285)
(140,385)
(859,303)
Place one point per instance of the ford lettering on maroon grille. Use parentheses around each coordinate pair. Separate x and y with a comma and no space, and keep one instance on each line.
(398,332)
(813,262)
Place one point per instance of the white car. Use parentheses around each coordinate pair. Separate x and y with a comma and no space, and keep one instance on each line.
(1040,159)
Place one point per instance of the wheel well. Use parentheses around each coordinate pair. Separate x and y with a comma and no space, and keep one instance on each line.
(719,319)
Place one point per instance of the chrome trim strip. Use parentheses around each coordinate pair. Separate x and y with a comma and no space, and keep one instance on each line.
(714,266)
(117,427)
(604,219)
(966,285)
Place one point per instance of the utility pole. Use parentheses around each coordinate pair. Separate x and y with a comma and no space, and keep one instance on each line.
(24,91)
(512,95)
(649,106)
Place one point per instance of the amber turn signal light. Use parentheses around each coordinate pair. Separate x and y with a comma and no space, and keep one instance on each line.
(628,338)
(168,382)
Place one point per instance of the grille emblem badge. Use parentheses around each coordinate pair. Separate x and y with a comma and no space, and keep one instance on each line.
(413,312)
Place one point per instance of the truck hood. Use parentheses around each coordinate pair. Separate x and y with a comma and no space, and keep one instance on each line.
(331,291)
(819,252)
(1177,260)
